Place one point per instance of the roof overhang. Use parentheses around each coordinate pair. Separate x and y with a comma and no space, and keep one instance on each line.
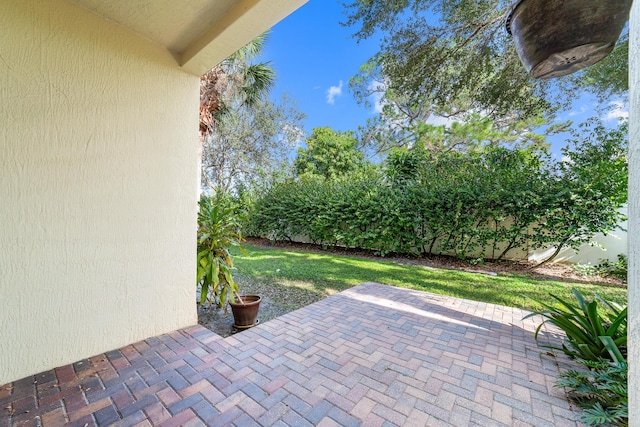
(199,33)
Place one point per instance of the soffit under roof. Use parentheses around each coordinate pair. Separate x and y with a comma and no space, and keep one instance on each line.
(199,33)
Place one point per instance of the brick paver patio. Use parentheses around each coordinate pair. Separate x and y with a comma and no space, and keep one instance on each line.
(373,355)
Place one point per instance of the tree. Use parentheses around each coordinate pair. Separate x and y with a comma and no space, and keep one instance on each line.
(589,189)
(244,136)
(476,132)
(608,78)
(234,83)
(249,143)
(454,56)
(329,153)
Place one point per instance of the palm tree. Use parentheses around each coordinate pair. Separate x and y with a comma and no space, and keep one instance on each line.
(233,84)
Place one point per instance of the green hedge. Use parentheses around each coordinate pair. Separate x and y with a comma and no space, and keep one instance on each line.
(486,204)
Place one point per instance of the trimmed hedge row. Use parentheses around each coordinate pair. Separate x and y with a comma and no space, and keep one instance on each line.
(479,205)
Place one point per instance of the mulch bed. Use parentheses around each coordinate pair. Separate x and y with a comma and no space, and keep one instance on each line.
(557,271)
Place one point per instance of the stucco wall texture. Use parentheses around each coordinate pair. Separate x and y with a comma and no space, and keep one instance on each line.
(98,187)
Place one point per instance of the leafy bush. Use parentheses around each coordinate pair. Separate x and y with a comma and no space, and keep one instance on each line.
(585,270)
(599,341)
(615,269)
(585,192)
(417,205)
(591,334)
(482,204)
(601,391)
(605,268)
(218,230)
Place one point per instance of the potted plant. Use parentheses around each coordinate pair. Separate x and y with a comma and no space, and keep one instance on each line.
(555,38)
(218,230)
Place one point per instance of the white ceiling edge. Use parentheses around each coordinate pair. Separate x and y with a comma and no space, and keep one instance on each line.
(199,33)
(241,24)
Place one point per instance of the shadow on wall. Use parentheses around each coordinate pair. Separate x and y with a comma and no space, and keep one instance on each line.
(605,247)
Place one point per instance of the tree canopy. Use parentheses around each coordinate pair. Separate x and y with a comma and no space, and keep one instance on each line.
(329,153)
(455,56)
(394,128)
(608,78)
(250,144)
(245,136)
(236,82)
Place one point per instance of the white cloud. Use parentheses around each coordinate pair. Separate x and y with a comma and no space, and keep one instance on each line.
(581,111)
(436,120)
(377,92)
(618,111)
(566,159)
(333,93)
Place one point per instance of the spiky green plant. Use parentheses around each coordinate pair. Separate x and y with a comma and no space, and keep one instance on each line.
(592,334)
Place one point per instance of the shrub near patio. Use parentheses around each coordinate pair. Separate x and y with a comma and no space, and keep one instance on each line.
(488,203)
(596,337)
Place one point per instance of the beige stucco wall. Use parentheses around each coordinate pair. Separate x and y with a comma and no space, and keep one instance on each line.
(634,218)
(98,187)
(601,247)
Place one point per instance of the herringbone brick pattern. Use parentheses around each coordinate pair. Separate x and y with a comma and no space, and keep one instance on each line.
(373,356)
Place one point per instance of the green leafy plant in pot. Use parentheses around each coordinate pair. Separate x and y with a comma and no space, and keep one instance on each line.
(219,230)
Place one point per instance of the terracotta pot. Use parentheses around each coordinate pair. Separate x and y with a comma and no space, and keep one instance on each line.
(245,311)
(558,37)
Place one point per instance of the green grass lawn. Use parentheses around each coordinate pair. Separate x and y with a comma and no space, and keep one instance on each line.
(308,276)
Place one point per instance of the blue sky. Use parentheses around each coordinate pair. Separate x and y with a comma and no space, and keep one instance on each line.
(314,57)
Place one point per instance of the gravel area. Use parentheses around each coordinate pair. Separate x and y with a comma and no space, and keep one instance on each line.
(277,300)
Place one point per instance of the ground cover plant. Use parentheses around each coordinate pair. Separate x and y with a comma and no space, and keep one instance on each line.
(601,391)
(614,269)
(596,337)
(606,268)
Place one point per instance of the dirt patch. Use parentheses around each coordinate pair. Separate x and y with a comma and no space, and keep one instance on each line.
(221,323)
(277,300)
